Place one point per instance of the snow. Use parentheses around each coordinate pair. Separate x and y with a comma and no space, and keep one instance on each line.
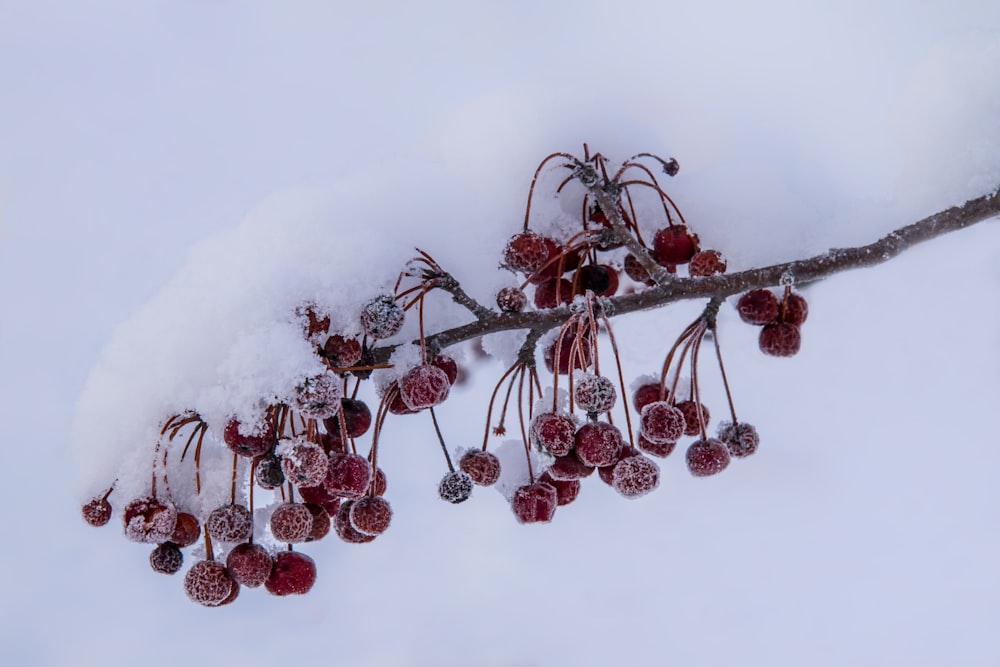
(262,156)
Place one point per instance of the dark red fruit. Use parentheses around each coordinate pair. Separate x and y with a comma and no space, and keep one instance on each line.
(646,394)
(341,352)
(149,520)
(594,393)
(377,487)
(396,405)
(455,487)
(707,263)
(304,463)
(319,495)
(636,271)
(600,279)
(348,475)
(291,522)
(582,355)
(527,252)
(661,422)
(511,300)
(318,396)
(780,339)
(566,489)
(555,433)
(796,310)
(382,317)
(535,503)
(606,473)
(371,515)
(758,306)
(320,522)
(293,573)
(707,457)
(598,443)
(187,530)
(448,365)
(357,419)
(424,387)
(229,523)
(635,476)
(690,411)
(482,467)
(342,525)
(96,512)
(569,467)
(166,558)
(208,583)
(268,473)
(661,449)
(552,293)
(249,564)
(674,245)
(741,439)
(256,443)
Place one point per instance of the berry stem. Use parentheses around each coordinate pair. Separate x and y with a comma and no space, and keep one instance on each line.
(444,447)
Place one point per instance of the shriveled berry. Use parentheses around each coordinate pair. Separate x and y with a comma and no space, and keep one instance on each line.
(382,317)
(553,266)
(357,419)
(535,503)
(268,473)
(482,467)
(378,483)
(293,573)
(758,306)
(707,263)
(526,252)
(661,449)
(511,299)
(690,411)
(341,352)
(208,583)
(552,293)
(780,339)
(646,394)
(636,271)
(149,520)
(707,457)
(256,442)
(661,422)
(291,522)
(319,495)
(635,476)
(96,512)
(318,396)
(304,463)
(348,475)
(594,393)
(320,522)
(229,523)
(424,387)
(553,432)
(166,558)
(569,467)
(606,473)
(371,515)
(566,489)
(741,438)
(455,487)
(342,526)
(674,245)
(249,564)
(796,309)
(448,365)
(598,443)
(186,530)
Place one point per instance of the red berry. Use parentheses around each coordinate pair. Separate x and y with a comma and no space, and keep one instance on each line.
(646,394)
(320,522)
(382,317)
(555,433)
(255,443)
(661,449)
(636,271)
(535,503)
(606,473)
(319,495)
(796,310)
(569,467)
(566,489)
(553,266)
(348,475)
(96,512)
(268,472)
(660,422)
(208,583)
(377,487)
(318,396)
(741,439)
(370,515)
(707,263)
(357,419)
(448,365)
(707,457)
(511,300)
(229,523)
(526,252)
(149,520)
(594,393)
(598,443)
(635,476)
(396,405)
(291,522)
(293,573)
(455,487)
(690,411)
(780,339)
(249,564)
(424,387)
(581,355)
(482,467)
(552,293)
(600,279)
(342,352)
(674,245)
(186,530)
(166,558)
(758,306)
(342,525)
(304,463)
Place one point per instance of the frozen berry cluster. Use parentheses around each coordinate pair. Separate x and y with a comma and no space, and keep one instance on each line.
(780,320)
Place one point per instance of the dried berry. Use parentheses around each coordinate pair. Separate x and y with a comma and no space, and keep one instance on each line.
(636,271)
(382,317)
(318,396)
(780,339)
(96,512)
(455,487)
(268,473)
(707,263)
(482,467)
(594,393)
(229,523)
(527,252)
(291,522)
(249,564)
(424,387)
(690,411)
(553,432)
(511,300)
(741,438)
(293,573)
(166,558)
(635,476)
(535,503)
(304,463)
(707,457)
(758,306)
(149,520)
(341,352)
(371,515)
(208,583)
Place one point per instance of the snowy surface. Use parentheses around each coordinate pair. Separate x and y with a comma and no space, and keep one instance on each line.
(169,172)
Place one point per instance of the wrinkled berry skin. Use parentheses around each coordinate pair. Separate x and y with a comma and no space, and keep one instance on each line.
(707,457)
(424,387)
(758,306)
(780,339)
(535,503)
(482,467)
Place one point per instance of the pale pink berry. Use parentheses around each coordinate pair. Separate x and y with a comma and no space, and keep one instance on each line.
(707,457)
(291,522)
(535,503)
(382,317)
(553,432)
(149,520)
(371,515)
(229,523)
(594,393)
(661,422)
(635,476)
(249,564)
(424,387)
(293,573)
(208,583)
(482,467)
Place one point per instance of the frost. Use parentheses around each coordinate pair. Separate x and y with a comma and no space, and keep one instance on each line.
(514,467)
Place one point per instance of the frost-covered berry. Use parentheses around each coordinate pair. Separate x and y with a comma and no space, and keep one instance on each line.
(707,457)
(780,339)
(645,394)
(455,487)
(758,306)
(796,309)
(553,293)
(674,245)
(320,522)
(606,472)
(268,473)
(527,252)
(553,432)
(249,564)
(660,449)
(635,476)
(341,352)
(291,522)
(166,558)
(661,422)
(482,467)
(319,495)
(448,365)
(370,515)
(382,317)
(342,526)
(229,523)
(570,467)
(566,489)
(594,393)
(208,583)
(741,439)
(396,404)
(304,463)
(707,263)
(149,520)
(535,503)
(424,386)
(256,442)
(186,530)
(293,573)
(511,300)
(598,443)
(348,475)
(96,512)
(318,396)
(690,411)
(357,419)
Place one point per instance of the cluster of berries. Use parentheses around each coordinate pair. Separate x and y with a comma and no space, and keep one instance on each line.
(780,321)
